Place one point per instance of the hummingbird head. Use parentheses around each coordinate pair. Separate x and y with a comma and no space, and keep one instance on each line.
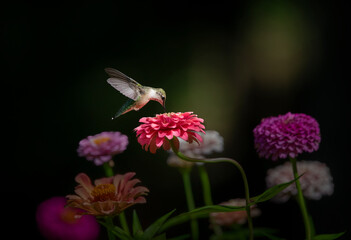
(161,97)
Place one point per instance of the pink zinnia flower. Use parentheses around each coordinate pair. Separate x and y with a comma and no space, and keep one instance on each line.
(108,196)
(101,147)
(286,136)
(55,221)
(315,182)
(155,131)
(237,217)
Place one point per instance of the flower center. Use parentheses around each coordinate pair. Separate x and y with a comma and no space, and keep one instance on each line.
(103,192)
(69,215)
(100,140)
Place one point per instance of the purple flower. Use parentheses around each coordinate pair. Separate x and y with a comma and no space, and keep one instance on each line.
(286,136)
(315,182)
(101,147)
(55,221)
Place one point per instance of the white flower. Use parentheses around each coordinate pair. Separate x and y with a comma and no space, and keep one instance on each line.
(212,142)
(315,182)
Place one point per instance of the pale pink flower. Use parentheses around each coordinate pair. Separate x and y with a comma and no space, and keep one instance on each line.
(286,136)
(174,161)
(55,221)
(212,142)
(101,147)
(237,217)
(315,182)
(108,196)
(156,131)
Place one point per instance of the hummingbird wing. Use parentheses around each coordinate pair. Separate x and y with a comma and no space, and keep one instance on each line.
(124,84)
(127,106)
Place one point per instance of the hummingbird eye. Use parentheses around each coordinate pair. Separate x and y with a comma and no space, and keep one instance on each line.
(163,97)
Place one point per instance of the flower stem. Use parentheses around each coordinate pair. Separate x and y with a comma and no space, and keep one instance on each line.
(229,160)
(109,222)
(122,217)
(108,169)
(190,201)
(301,201)
(206,187)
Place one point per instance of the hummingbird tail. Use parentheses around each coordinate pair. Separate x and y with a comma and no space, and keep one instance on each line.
(128,106)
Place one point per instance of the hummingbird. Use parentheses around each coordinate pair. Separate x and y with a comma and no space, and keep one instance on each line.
(138,94)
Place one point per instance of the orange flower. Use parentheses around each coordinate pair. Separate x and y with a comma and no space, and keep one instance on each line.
(108,196)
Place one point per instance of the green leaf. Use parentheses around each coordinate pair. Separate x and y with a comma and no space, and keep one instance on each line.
(137,229)
(154,227)
(328,236)
(119,232)
(198,213)
(243,233)
(271,237)
(181,237)
(160,237)
(271,192)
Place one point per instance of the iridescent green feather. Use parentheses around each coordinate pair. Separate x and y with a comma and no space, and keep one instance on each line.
(126,107)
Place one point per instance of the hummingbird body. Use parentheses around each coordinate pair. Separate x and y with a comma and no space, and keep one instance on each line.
(138,94)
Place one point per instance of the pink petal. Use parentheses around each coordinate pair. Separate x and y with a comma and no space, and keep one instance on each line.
(84,181)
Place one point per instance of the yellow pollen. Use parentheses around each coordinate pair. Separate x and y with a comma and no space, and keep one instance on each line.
(103,192)
(101,140)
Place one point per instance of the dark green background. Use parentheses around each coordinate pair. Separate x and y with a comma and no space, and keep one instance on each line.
(230,64)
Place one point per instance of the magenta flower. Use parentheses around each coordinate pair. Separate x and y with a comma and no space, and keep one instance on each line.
(101,147)
(315,182)
(286,136)
(155,131)
(108,196)
(55,221)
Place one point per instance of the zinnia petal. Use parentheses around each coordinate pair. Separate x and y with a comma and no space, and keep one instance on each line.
(286,135)
(168,125)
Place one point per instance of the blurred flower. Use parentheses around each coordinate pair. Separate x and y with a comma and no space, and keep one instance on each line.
(212,142)
(315,182)
(55,221)
(101,147)
(174,161)
(237,217)
(286,136)
(108,196)
(154,130)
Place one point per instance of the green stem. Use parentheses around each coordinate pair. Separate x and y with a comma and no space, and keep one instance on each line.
(218,160)
(109,222)
(301,200)
(206,187)
(190,201)
(108,169)
(122,218)
(123,222)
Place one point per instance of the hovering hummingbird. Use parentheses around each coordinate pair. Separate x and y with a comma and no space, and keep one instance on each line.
(138,94)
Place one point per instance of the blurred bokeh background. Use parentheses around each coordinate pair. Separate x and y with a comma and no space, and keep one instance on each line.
(232,64)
